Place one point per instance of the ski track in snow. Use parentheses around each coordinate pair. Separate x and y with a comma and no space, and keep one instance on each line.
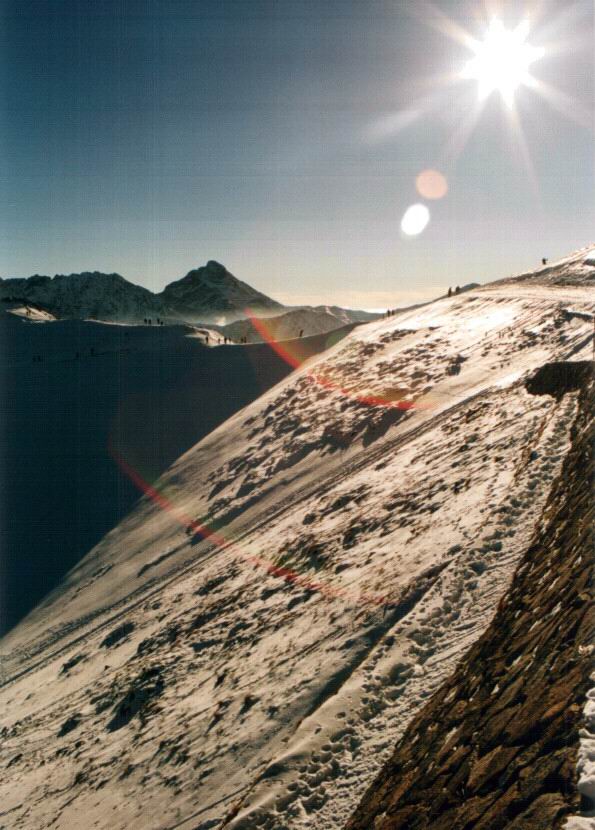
(206,692)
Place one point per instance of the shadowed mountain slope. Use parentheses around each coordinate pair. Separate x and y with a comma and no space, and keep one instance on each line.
(70,389)
(211,290)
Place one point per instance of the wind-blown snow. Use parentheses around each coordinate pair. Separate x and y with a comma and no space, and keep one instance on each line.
(173,682)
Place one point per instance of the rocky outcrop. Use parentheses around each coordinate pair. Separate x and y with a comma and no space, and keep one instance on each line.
(558,378)
(496,747)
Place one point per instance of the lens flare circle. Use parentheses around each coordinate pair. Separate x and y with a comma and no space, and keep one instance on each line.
(431,184)
(415,219)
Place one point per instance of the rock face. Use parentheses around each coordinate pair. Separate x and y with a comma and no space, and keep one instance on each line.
(496,747)
(212,290)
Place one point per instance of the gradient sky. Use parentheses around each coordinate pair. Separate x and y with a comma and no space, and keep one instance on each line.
(148,136)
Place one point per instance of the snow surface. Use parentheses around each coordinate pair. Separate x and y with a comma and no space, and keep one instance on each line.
(268,699)
(586,758)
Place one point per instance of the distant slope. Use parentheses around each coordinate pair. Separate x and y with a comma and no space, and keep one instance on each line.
(496,747)
(297,323)
(69,388)
(348,315)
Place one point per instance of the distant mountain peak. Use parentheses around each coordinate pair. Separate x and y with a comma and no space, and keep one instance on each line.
(211,289)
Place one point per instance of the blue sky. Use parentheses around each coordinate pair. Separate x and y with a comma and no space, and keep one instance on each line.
(148,136)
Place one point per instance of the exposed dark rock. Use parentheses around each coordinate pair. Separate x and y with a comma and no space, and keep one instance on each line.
(117,635)
(138,699)
(556,379)
(74,661)
(163,638)
(68,725)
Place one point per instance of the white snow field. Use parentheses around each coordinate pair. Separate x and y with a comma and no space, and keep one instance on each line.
(258,678)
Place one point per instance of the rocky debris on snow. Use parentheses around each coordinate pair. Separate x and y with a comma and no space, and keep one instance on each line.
(72,662)
(139,699)
(71,723)
(117,635)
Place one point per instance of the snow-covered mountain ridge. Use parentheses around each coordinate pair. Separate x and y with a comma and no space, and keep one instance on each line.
(285,326)
(86,295)
(362,519)
(206,294)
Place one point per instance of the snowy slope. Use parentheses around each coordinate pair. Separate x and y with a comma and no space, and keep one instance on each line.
(364,518)
(495,748)
(347,315)
(301,321)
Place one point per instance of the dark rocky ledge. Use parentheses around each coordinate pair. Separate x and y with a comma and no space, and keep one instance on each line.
(496,747)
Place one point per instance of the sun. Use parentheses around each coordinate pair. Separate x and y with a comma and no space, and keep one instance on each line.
(502,61)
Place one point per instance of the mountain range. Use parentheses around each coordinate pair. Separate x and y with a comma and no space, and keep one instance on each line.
(206,294)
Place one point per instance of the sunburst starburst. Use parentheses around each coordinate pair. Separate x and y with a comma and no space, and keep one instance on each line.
(502,61)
